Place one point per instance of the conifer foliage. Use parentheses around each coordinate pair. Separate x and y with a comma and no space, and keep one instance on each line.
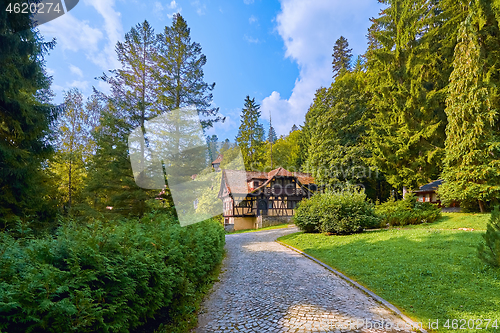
(251,135)
(489,252)
(472,161)
(408,72)
(342,56)
(159,73)
(25,116)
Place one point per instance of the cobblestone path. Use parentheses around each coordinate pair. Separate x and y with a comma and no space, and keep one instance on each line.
(266,287)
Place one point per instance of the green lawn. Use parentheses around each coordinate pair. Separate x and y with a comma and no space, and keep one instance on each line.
(278,226)
(428,271)
(458,220)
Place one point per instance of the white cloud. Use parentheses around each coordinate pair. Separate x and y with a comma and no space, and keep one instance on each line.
(158,6)
(223,130)
(114,32)
(252,40)
(50,71)
(81,85)
(200,8)
(248,2)
(75,70)
(80,36)
(252,19)
(309,29)
(103,87)
(72,34)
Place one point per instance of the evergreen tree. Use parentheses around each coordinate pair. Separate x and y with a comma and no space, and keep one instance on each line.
(337,151)
(111,185)
(134,99)
(159,74)
(342,56)
(251,136)
(180,73)
(213,148)
(294,128)
(134,86)
(272,137)
(25,118)
(409,65)
(472,159)
(489,252)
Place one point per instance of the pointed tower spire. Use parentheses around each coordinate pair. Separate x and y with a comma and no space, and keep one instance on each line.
(271,139)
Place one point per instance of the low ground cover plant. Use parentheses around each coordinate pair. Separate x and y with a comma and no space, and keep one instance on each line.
(407,211)
(104,276)
(340,213)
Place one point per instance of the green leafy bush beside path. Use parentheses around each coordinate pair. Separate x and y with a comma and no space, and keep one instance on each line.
(104,277)
(339,213)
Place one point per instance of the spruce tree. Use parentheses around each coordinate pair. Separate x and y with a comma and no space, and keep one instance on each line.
(342,56)
(272,137)
(251,135)
(180,72)
(489,252)
(26,116)
(409,64)
(294,128)
(472,159)
(159,74)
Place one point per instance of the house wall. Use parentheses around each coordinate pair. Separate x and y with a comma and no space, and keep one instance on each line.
(267,221)
(242,223)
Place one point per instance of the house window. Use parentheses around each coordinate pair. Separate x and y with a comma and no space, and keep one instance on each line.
(255,183)
(270,205)
(291,204)
(243,203)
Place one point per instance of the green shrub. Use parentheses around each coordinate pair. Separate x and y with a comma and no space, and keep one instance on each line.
(407,211)
(307,215)
(338,213)
(104,277)
(490,252)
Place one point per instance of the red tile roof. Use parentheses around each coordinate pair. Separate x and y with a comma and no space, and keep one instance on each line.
(218,159)
(303,178)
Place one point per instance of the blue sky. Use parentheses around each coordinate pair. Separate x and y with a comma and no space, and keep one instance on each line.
(278,51)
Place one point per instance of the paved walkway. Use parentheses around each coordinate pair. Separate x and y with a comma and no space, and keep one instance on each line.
(266,287)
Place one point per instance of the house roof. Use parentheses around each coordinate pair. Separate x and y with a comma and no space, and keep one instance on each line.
(303,178)
(218,159)
(431,186)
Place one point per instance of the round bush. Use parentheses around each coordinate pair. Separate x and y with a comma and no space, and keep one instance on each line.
(338,213)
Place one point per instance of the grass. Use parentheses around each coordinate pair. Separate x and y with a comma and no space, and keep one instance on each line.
(458,220)
(428,271)
(278,226)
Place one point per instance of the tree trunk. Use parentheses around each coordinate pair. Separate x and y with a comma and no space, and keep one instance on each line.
(481,206)
(69,184)
(405,191)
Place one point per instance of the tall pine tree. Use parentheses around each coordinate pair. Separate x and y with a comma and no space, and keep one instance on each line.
(180,72)
(25,117)
(409,64)
(472,160)
(251,136)
(342,56)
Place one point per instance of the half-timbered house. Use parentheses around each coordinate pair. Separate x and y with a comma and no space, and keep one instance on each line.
(268,198)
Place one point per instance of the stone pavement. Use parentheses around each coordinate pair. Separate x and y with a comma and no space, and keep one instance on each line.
(266,287)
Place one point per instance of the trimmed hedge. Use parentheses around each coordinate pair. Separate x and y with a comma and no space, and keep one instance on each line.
(338,213)
(407,211)
(104,277)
